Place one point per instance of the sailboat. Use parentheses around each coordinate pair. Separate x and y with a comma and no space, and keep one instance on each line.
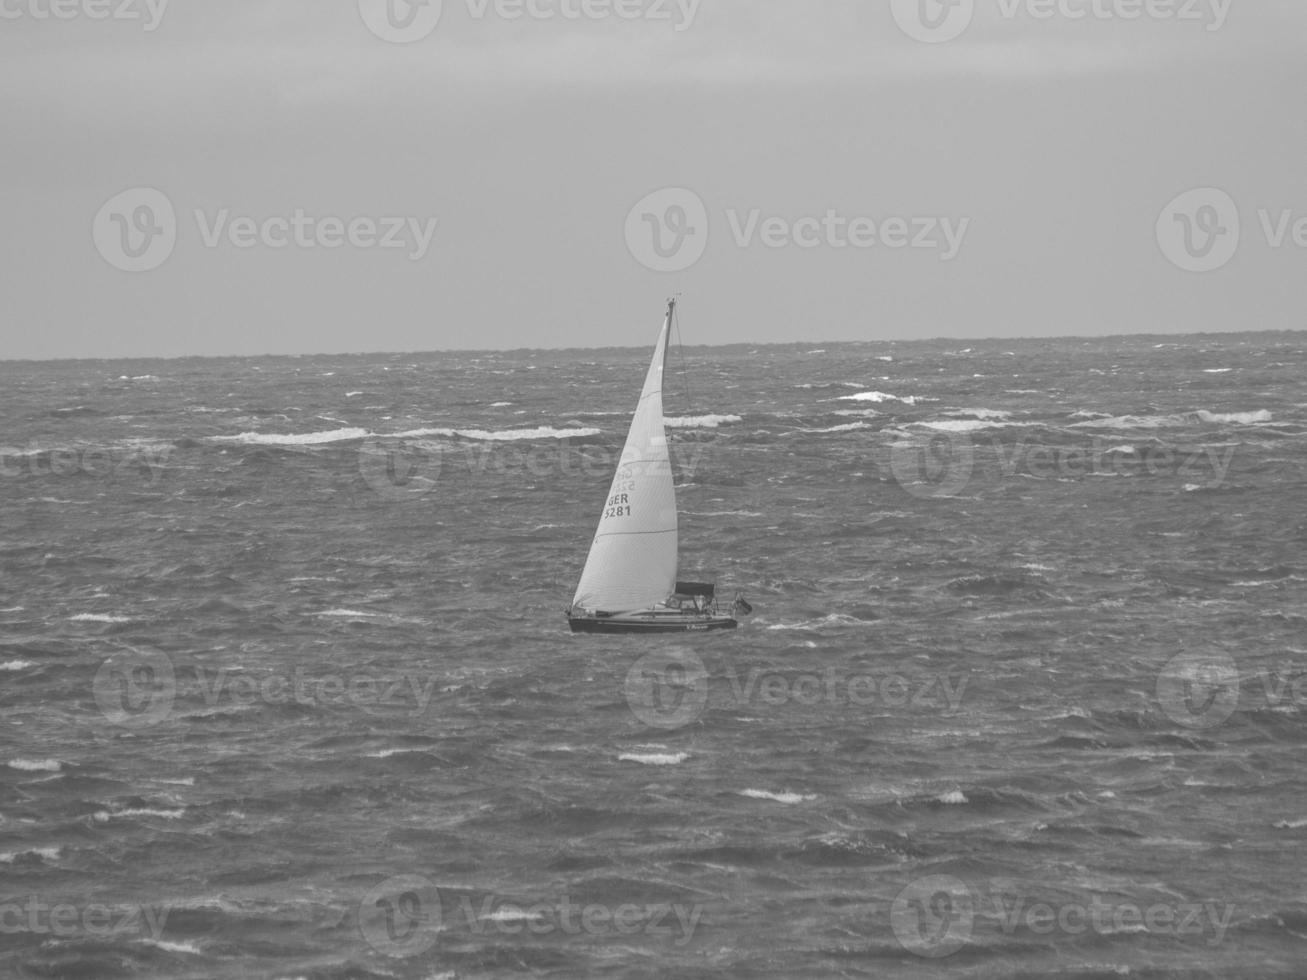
(629,584)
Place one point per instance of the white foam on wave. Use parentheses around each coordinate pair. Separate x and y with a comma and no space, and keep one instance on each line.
(97,618)
(348,613)
(498,435)
(1217,370)
(1235,418)
(387,753)
(880,396)
(45,853)
(294,439)
(1291,824)
(701,421)
(654,758)
(1174,421)
(36,765)
(788,798)
(980,413)
(969,425)
(103,816)
(174,947)
(849,427)
(954,798)
(16,665)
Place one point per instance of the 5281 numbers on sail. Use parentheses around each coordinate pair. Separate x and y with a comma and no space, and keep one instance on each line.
(619,505)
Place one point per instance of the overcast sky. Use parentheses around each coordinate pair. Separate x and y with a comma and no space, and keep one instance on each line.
(300,176)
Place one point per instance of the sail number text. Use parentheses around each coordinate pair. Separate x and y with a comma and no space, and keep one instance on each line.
(619,505)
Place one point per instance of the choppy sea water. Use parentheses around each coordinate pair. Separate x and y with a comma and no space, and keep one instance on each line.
(287,690)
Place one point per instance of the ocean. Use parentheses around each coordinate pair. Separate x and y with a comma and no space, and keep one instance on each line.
(287,688)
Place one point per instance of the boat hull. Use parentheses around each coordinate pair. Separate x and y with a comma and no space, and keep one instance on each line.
(650,624)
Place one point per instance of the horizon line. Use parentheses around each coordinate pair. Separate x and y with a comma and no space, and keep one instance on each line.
(641,347)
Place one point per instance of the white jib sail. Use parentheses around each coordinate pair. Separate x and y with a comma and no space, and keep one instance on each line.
(632,563)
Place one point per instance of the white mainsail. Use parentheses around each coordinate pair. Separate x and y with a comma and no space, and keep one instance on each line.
(632,563)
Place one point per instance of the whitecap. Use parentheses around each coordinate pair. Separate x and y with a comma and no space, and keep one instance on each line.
(790,798)
(1217,370)
(174,947)
(1291,824)
(954,798)
(97,618)
(103,816)
(1234,418)
(880,396)
(36,765)
(45,853)
(701,421)
(294,439)
(504,435)
(970,425)
(981,413)
(16,665)
(850,427)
